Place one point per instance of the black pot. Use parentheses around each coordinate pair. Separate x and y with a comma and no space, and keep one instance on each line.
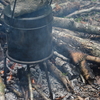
(29,36)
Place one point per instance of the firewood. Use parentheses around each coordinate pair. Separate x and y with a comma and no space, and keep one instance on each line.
(29,83)
(76,58)
(92,47)
(69,70)
(60,76)
(64,9)
(18,93)
(79,56)
(72,25)
(2,90)
(60,56)
(87,72)
(60,98)
(92,58)
(40,92)
(89,4)
(83,11)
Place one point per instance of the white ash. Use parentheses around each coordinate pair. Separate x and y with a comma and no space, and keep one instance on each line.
(57,88)
(10,96)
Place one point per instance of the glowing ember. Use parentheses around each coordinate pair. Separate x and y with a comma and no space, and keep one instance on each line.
(8,61)
(2,72)
(33,81)
(12,67)
(10,77)
(20,65)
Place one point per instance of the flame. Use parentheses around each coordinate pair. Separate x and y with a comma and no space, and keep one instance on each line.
(8,61)
(10,77)
(2,72)
(33,88)
(12,67)
(19,65)
(33,81)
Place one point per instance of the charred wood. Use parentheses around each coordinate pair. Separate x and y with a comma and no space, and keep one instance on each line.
(18,93)
(79,58)
(76,58)
(29,83)
(60,76)
(40,92)
(87,72)
(66,67)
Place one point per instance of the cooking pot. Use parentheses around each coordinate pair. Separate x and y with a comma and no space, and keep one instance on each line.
(29,37)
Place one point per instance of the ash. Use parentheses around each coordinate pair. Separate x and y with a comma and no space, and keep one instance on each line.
(39,76)
(19,82)
(57,88)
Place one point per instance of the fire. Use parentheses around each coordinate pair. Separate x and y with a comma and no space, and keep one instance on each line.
(33,81)
(20,65)
(12,67)
(2,72)
(8,61)
(10,77)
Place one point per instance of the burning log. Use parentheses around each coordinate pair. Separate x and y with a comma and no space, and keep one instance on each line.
(2,90)
(72,25)
(60,76)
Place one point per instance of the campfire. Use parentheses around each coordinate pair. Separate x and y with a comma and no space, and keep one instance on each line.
(41,62)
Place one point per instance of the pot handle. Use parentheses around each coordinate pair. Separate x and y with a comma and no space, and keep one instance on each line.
(5,3)
(3,26)
(2,23)
(50,2)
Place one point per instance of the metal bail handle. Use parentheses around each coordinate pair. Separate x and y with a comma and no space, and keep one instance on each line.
(14,8)
(50,2)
